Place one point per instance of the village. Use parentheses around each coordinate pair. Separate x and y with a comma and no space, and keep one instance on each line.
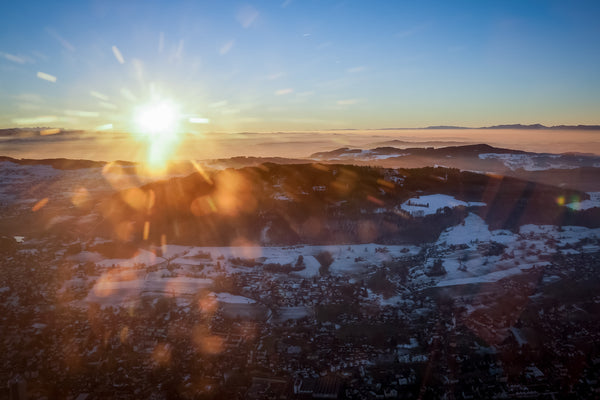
(475,312)
(308,326)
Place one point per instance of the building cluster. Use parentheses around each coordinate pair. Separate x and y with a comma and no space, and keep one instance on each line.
(322,337)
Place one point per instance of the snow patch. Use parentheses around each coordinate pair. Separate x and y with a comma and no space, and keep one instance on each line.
(231,298)
(472,230)
(427,205)
(593,202)
(529,162)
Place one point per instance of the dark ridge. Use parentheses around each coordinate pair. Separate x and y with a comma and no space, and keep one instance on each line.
(516,126)
(327,204)
(432,143)
(242,161)
(540,126)
(63,163)
(472,149)
(446,127)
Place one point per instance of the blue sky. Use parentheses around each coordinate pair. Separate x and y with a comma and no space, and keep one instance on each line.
(301,65)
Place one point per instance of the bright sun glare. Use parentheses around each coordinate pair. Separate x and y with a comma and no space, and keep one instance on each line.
(158,118)
(157,123)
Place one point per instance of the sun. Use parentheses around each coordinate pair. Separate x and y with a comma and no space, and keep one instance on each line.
(157,123)
(157,118)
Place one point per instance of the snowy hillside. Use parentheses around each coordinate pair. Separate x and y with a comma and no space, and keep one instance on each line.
(427,205)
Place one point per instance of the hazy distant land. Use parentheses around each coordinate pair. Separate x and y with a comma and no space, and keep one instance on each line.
(110,145)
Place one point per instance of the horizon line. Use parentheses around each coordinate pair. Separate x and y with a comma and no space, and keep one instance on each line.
(430,127)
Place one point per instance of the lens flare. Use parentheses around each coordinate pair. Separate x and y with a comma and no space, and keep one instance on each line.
(157,123)
(158,118)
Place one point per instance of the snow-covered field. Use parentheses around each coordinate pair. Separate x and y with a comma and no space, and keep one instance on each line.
(523,251)
(427,205)
(144,257)
(463,250)
(122,281)
(111,289)
(529,162)
(366,155)
(594,201)
(285,313)
(344,256)
(231,298)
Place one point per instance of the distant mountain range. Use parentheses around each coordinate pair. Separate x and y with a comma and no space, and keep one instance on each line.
(521,126)
(504,126)
(575,170)
(41,130)
(37,131)
(568,170)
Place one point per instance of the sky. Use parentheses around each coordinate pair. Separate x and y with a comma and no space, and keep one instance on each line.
(293,65)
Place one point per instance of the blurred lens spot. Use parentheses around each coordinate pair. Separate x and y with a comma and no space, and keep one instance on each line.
(146,230)
(206,342)
(162,354)
(81,197)
(124,334)
(40,204)
(202,206)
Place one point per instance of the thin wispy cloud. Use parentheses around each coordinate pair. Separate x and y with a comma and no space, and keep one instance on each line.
(81,113)
(138,67)
(412,31)
(63,42)
(30,97)
(285,91)
(118,55)
(99,95)
(275,76)
(354,70)
(226,48)
(41,56)
(324,45)
(28,106)
(250,120)
(218,104)
(108,106)
(43,119)
(177,53)
(247,16)
(13,58)
(46,77)
(104,127)
(126,93)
